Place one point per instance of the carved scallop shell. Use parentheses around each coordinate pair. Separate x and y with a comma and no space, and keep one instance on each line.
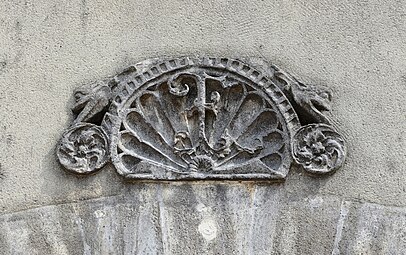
(202,122)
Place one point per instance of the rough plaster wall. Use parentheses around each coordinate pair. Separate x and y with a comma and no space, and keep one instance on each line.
(357,48)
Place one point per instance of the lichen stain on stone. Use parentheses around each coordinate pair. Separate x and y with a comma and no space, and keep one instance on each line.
(316,202)
(202,208)
(208,229)
(99,214)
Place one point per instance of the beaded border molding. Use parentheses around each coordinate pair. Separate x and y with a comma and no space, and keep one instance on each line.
(201,118)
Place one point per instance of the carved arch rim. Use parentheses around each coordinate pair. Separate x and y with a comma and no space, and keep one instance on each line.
(261,79)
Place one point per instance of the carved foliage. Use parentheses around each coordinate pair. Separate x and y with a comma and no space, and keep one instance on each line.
(319,148)
(83,148)
(198,118)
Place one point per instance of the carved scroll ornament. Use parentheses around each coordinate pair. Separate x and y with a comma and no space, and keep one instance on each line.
(201,118)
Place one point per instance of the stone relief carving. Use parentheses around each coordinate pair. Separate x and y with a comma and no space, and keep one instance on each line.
(83,148)
(201,118)
(318,148)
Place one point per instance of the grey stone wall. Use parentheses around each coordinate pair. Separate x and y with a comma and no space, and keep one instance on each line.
(49,48)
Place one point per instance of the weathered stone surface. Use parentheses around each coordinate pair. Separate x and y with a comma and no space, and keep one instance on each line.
(50,48)
(206,219)
(365,228)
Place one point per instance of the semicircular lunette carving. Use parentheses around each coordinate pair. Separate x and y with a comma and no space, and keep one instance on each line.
(195,118)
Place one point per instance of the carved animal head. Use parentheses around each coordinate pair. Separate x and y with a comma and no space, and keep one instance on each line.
(319,97)
(92,92)
(310,99)
(85,91)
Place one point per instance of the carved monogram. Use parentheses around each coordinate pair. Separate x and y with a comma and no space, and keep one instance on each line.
(201,118)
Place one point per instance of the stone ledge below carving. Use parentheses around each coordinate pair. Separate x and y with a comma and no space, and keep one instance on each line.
(153,220)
